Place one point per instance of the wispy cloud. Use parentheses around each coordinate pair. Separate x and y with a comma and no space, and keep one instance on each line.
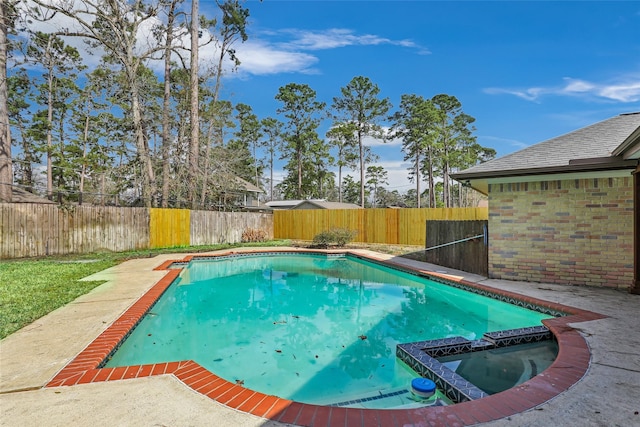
(369,141)
(339,37)
(291,50)
(623,89)
(260,58)
(530,94)
(629,92)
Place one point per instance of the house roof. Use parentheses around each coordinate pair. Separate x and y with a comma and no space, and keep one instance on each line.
(283,204)
(314,203)
(20,195)
(246,185)
(322,204)
(607,145)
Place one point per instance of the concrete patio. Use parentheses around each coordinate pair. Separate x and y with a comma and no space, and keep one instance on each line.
(608,395)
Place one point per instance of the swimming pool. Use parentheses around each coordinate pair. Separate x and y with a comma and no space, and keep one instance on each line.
(571,364)
(308,327)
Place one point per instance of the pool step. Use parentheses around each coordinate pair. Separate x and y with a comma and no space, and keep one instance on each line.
(517,336)
(371,398)
(406,400)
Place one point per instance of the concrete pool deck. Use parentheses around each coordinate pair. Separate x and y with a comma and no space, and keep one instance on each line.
(607,395)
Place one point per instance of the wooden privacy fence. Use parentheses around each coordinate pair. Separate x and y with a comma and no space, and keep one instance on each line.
(31,230)
(462,245)
(392,226)
(169,227)
(222,227)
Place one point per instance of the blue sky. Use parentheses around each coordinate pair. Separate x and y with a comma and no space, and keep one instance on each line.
(527,71)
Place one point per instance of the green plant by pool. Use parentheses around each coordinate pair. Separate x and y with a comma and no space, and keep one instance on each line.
(311,328)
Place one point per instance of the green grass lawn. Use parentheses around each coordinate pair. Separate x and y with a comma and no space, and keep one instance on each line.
(31,288)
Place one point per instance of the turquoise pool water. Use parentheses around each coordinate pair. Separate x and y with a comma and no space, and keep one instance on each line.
(499,369)
(311,328)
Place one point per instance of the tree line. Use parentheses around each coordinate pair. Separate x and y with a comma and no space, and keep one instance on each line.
(124,132)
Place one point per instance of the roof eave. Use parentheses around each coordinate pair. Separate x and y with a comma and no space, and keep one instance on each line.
(479,180)
(577,165)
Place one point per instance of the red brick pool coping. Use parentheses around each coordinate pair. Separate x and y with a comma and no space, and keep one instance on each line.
(568,368)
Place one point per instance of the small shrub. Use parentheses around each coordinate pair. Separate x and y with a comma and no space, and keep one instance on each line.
(344,236)
(335,236)
(253,235)
(322,239)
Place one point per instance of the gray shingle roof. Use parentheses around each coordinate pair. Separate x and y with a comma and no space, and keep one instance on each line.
(20,195)
(594,141)
(321,204)
(246,185)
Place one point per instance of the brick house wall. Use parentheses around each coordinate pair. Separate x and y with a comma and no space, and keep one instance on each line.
(577,232)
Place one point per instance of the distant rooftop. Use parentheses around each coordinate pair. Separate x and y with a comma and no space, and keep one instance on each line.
(285,204)
(20,195)
(322,204)
(312,203)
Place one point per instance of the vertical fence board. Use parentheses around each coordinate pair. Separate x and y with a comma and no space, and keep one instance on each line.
(5,231)
(50,231)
